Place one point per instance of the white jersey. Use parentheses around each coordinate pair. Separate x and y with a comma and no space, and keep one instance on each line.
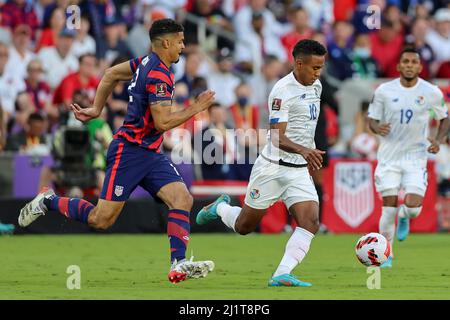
(408,112)
(299,106)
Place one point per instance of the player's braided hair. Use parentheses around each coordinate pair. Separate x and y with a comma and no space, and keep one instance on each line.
(164,26)
(308,47)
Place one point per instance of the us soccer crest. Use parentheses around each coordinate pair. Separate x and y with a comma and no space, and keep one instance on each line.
(353,192)
(161,89)
(118,191)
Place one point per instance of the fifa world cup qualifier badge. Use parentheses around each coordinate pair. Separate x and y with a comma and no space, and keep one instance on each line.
(276,104)
(161,90)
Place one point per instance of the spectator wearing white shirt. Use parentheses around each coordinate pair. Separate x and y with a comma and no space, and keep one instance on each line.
(138,40)
(10,84)
(58,61)
(320,13)
(19,53)
(243,20)
(83,43)
(262,83)
(439,39)
(223,81)
(255,45)
(168,7)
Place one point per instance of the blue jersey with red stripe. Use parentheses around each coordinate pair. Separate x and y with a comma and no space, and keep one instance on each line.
(152,82)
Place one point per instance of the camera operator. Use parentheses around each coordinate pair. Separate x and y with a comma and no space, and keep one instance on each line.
(79,151)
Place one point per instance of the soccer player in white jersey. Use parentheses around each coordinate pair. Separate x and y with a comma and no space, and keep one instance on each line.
(399,113)
(281,171)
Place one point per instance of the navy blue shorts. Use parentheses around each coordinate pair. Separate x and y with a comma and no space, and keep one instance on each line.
(129,166)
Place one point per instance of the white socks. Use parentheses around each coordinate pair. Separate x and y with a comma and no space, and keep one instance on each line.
(407,212)
(296,249)
(387,223)
(228,214)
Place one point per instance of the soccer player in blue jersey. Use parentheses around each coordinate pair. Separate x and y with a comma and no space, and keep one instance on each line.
(134,157)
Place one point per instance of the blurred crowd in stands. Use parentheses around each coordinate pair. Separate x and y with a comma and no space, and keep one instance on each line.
(45,65)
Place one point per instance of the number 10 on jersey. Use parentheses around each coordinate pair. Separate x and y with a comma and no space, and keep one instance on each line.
(313,111)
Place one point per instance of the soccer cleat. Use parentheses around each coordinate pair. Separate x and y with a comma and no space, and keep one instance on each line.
(287,280)
(6,228)
(35,208)
(387,263)
(186,269)
(402,228)
(209,212)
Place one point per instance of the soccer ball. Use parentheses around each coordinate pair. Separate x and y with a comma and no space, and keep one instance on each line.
(372,249)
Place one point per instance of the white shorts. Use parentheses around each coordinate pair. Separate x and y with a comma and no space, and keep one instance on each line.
(389,178)
(270,182)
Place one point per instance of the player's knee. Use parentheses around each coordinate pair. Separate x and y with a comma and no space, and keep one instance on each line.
(314,224)
(99,222)
(311,223)
(243,228)
(183,201)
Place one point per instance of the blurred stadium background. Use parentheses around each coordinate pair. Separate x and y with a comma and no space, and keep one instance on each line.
(55,52)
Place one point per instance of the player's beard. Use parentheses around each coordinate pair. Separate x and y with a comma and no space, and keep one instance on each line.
(410,79)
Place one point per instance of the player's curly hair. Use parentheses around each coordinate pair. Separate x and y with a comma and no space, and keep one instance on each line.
(308,47)
(164,26)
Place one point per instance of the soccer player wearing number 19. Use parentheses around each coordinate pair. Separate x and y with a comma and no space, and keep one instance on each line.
(399,113)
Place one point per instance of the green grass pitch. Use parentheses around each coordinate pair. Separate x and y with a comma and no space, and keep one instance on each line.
(136,266)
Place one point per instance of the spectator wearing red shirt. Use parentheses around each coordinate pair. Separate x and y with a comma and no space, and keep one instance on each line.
(343,9)
(39,90)
(52,28)
(84,80)
(17,12)
(299,19)
(444,71)
(386,47)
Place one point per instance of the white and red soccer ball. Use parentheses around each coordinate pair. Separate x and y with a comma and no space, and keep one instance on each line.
(373,249)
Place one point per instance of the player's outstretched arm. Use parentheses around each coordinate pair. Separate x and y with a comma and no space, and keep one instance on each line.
(165,119)
(120,72)
(382,129)
(443,129)
(279,139)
